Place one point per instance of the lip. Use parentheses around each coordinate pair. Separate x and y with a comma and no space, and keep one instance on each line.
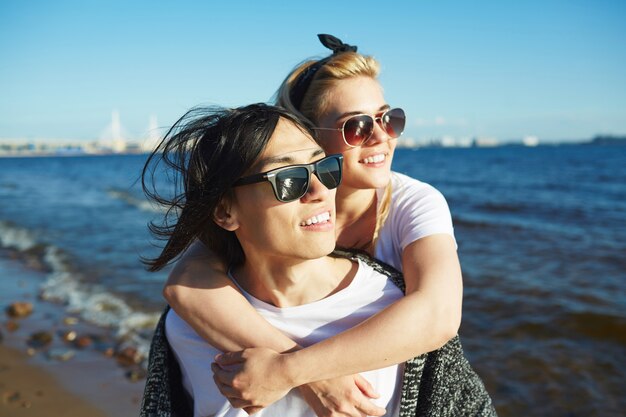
(373,154)
(319,227)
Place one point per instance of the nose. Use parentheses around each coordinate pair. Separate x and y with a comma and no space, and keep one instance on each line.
(316,192)
(379,134)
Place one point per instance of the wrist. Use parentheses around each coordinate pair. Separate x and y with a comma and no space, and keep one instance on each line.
(293,374)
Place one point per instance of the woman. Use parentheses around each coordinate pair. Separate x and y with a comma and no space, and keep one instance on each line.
(400,221)
(249,182)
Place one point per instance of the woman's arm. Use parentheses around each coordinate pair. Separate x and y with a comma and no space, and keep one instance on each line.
(200,292)
(422,321)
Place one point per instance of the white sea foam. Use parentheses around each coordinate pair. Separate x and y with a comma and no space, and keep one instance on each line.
(128,198)
(14,237)
(91,302)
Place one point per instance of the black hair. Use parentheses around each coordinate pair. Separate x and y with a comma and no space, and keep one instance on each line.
(204,154)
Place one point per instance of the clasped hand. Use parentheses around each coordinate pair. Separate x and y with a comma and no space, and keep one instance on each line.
(255,378)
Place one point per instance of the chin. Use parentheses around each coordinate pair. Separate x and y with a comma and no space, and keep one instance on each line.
(378,182)
(319,249)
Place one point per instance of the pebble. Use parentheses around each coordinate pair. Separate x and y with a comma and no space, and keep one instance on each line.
(11,325)
(70,321)
(61,354)
(19,309)
(135,375)
(34,263)
(69,335)
(40,339)
(10,397)
(83,342)
(128,356)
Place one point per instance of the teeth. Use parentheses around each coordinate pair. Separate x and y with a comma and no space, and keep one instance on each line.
(320,218)
(374,159)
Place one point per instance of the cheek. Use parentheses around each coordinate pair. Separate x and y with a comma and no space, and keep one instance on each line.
(392,145)
(265,223)
(255,202)
(350,163)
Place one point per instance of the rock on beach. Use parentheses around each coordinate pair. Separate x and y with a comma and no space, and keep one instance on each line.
(19,309)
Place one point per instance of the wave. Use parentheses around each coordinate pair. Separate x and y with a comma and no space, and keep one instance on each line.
(130,199)
(64,284)
(8,186)
(584,325)
(590,325)
(501,208)
(14,237)
(469,223)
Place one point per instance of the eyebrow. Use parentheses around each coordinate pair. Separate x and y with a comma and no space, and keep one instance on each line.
(283,159)
(354,113)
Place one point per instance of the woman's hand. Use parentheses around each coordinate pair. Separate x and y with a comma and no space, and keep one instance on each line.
(344,396)
(252,378)
(255,378)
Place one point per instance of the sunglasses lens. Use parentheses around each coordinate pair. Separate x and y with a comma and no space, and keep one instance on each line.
(357,129)
(291,184)
(393,121)
(328,171)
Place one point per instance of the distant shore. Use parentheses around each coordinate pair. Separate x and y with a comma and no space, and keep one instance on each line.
(26,152)
(32,154)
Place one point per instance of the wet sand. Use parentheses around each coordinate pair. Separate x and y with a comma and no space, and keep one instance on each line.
(35,380)
(28,390)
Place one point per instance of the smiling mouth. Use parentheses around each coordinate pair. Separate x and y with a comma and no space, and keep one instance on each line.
(374,159)
(320,218)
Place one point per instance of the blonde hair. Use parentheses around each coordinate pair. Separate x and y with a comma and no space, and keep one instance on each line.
(315,101)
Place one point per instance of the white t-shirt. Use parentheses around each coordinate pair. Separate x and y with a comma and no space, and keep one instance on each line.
(417,210)
(368,293)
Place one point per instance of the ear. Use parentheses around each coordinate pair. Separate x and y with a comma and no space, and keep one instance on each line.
(224,215)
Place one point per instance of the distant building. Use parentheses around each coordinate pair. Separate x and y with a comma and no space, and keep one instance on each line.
(153,136)
(486,142)
(530,141)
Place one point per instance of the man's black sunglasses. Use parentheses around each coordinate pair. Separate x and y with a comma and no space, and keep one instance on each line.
(292,182)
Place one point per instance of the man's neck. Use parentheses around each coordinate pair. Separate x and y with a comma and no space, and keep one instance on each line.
(288,284)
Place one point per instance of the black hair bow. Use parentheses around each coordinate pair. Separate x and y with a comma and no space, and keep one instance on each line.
(335,44)
(303,81)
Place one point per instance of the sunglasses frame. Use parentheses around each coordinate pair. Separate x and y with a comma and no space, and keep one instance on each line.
(375,120)
(311,168)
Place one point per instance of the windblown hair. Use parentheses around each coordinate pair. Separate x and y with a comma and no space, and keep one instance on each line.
(203,155)
(315,101)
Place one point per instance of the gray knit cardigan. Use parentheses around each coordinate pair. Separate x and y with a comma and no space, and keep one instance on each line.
(440,383)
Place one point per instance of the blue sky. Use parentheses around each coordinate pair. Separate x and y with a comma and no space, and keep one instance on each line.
(555,69)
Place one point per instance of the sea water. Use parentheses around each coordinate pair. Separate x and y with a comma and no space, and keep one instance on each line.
(541,234)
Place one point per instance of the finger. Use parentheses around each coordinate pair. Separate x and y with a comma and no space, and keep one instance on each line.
(227,391)
(229,358)
(365,387)
(368,408)
(224,376)
(239,403)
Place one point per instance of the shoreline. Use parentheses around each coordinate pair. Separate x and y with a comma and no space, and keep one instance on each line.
(59,377)
(28,390)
